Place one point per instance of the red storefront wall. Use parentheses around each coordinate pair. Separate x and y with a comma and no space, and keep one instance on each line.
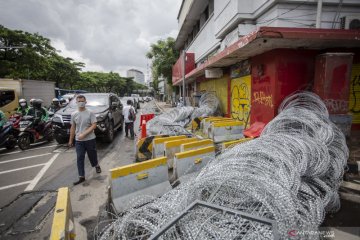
(275,75)
(332,80)
(177,68)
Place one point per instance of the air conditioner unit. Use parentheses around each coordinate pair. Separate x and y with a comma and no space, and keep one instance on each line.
(350,22)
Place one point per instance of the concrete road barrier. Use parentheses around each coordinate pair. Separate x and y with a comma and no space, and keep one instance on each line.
(226,131)
(172,147)
(196,145)
(63,226)
(138,179)
(228,144)
(192,161)
(206,123)
(158,149)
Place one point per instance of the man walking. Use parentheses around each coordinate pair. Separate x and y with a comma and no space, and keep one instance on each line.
(129,117)
(83,124)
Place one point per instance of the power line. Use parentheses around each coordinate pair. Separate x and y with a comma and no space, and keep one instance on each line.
(290,10)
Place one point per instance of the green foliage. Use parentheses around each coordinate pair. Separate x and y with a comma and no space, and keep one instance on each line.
(31,56)
(163,55)
(102,82)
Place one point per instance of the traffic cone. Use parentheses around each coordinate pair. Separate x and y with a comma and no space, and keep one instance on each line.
(143,129)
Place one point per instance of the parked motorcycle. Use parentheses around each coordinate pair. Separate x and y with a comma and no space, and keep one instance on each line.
(15,120)
(28,134)
(8,136)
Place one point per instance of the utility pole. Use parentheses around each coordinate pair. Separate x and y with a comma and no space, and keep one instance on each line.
(183,73)
(318,14)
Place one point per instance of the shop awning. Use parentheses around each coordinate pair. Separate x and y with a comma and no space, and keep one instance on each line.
(268,38)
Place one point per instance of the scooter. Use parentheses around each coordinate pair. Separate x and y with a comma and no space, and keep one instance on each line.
(8,136)
(28,134)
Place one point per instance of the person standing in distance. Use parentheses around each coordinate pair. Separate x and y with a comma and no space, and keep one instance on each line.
(83,124)
(129,117)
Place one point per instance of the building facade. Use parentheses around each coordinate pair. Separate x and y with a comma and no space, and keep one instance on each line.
(254,53)
(138,76)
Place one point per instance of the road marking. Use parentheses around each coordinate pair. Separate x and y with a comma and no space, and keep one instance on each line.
(23,168)
(41,173)
(18,159)
(31,149)
(10,153)
(14,185)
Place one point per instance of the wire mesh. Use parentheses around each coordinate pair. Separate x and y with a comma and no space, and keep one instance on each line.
(182,116)
(290,174)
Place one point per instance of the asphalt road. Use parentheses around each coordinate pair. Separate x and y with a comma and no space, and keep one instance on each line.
(46,166)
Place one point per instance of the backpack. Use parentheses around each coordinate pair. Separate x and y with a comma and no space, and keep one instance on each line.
(132,115)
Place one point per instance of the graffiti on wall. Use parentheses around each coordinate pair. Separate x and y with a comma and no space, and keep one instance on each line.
(336,105)
(261,98)
(241,98)
(354,103)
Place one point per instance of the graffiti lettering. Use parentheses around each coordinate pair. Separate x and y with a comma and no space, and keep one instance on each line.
(240,95)
(336,105)
(355,94)
(261,98)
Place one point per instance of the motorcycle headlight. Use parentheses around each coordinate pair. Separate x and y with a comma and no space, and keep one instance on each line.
(100,117)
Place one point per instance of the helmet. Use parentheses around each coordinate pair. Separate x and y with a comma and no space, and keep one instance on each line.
(37,103)
(56,101)
(31,101)
(22,102)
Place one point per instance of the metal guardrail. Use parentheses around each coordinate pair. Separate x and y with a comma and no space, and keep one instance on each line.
(63,226)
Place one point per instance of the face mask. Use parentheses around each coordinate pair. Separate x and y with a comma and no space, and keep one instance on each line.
(23,104)
(81,104)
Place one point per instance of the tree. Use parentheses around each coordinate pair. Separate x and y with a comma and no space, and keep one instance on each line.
(29,58)
(64,71)
(163,56)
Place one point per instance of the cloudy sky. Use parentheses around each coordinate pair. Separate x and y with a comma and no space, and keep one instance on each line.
(107,35)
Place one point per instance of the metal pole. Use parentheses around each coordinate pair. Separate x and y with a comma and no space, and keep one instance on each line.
(183,73)
(318,14)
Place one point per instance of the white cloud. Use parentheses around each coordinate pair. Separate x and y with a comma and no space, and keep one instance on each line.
(107,35)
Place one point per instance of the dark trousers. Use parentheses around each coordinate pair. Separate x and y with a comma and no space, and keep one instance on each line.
(129,126)
(83,147)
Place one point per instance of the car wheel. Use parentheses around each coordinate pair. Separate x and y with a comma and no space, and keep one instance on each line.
(110,133)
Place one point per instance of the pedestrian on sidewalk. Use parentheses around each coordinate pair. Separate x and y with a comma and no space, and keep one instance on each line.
(83,124)
(129,117)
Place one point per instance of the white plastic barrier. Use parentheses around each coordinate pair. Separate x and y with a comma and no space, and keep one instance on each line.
(172,147)
(196,145)
(226,131)
(158,149)
(192,161)
(139,179)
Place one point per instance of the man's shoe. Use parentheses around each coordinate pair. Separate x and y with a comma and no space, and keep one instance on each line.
(81,179)
(132,138)
(98,169)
